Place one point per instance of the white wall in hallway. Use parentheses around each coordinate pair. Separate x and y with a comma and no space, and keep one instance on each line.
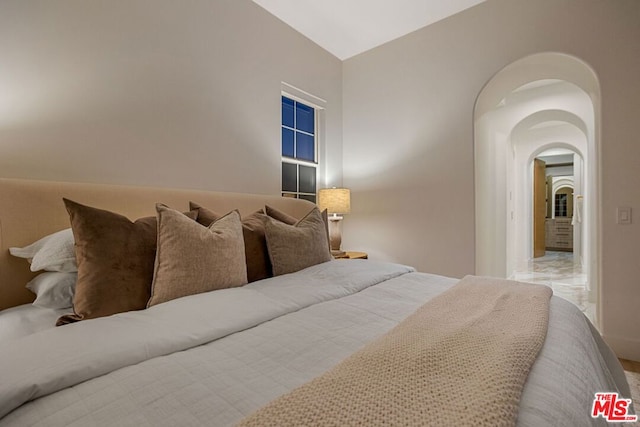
(408,136)
(508,138)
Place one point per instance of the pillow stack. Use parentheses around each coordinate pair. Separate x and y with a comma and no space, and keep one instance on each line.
(55,254)
(107,264)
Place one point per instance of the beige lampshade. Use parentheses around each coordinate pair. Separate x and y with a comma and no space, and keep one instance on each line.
(335,200)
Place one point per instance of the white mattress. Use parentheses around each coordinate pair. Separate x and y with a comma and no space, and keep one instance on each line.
(214,358)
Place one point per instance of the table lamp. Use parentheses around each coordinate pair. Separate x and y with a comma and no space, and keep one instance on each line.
(336,201)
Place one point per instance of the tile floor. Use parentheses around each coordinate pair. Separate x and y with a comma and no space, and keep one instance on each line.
(557,270)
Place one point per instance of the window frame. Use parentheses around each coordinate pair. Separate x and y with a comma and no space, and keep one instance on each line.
(315,132)
(317,104)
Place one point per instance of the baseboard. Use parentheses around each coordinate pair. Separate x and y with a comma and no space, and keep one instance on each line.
(624,348)
(630,366)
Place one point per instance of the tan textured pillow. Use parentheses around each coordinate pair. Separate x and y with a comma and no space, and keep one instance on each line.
(288,219)
(192,259)
(115,262)
(294,247)
(255,245)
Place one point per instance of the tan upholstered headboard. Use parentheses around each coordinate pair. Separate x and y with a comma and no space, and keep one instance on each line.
(30,210)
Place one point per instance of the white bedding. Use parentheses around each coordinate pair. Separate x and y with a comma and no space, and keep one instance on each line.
(246,346)
(26,319)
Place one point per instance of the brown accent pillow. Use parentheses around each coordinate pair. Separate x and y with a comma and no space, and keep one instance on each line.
(255,245)
(279,215)
(288,219)
(294,247)
(115,262)
(192,259)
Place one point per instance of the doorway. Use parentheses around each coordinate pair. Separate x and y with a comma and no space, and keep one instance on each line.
(543,102)
(557,203)
(557,262)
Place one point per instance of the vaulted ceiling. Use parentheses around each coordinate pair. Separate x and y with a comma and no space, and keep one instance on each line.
(349,27)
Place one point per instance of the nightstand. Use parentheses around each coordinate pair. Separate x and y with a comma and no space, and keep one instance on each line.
(354,255)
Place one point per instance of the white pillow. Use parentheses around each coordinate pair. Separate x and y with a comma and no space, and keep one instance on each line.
(54,252)
(53,289)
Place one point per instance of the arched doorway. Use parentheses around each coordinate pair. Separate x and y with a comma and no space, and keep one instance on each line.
(541,102)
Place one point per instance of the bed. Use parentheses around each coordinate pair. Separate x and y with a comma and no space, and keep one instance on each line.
(218,357)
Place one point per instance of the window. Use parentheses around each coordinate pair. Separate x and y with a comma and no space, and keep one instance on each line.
(561,205)
(299,149)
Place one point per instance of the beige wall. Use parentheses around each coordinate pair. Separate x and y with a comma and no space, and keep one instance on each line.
(155,92)
(408,136)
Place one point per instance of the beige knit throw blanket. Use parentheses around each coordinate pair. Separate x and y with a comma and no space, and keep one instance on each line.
(460,360)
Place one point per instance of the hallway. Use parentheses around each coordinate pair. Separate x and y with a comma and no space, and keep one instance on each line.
(557,270)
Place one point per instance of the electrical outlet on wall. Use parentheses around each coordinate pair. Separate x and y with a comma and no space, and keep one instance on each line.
(623,215)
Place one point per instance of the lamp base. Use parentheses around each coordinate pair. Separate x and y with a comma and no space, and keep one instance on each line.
(335,237)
